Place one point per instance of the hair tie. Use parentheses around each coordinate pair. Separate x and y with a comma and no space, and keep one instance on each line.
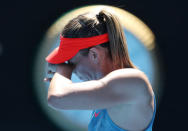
(100,17)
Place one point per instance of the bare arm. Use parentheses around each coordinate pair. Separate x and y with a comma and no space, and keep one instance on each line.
(120,86)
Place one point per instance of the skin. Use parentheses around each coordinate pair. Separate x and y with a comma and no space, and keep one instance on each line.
(125,93)
(92,67)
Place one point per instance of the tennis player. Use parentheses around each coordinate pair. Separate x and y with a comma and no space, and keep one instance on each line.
(93,46)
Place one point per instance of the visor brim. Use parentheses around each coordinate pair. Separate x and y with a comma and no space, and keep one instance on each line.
(60,56)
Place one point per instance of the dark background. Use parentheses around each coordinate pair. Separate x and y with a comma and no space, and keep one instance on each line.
(23,24)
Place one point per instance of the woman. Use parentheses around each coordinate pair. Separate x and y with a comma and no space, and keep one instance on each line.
(119,94)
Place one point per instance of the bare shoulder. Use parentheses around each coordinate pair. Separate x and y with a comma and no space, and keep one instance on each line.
(130,84)
(135,114)
(126,72)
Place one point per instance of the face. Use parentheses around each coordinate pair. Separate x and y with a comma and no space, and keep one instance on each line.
(88,67)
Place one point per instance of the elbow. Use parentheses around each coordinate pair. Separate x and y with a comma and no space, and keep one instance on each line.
(56,101)
(53,101)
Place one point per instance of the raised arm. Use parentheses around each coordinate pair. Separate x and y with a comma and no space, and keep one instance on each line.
(118,87)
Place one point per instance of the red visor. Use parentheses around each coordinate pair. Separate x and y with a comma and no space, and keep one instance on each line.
(69,47)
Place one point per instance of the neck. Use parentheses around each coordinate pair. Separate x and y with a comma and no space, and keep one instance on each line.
(107,68)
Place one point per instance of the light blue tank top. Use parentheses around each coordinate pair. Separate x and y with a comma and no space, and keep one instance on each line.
(101,121)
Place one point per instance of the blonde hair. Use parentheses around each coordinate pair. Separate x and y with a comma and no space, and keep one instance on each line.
(105,22)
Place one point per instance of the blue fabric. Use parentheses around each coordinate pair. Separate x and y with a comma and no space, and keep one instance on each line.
(103,122)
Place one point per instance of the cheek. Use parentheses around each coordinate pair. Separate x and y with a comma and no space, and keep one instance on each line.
(83,70)
(79,70)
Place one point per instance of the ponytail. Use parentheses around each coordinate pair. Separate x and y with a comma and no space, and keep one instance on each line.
(117,40)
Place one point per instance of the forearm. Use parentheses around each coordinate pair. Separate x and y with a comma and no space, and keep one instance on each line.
(79,96)
(119,87)
(63,94)
(58,86)
(58,81)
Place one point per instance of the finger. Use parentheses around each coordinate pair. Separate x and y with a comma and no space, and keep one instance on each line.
(50,72)
(47,79)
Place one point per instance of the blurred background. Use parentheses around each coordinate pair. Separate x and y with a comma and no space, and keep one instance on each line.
(29,30)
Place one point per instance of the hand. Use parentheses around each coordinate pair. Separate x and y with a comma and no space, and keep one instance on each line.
(65,69)
(51,69)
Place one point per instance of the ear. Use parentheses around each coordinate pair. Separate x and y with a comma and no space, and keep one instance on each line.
(94,55)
